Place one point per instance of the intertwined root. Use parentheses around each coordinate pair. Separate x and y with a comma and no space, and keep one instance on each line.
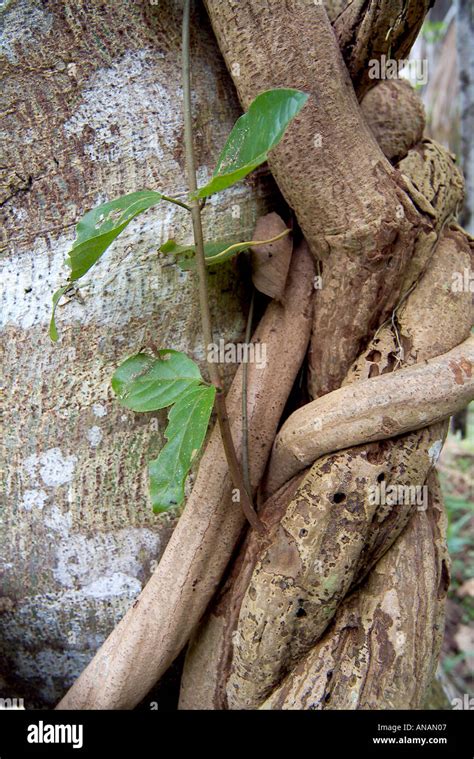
(284,613)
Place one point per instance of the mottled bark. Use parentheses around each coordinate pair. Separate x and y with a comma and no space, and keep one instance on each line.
(155,629)
(281,596)
(378,226)
(382,647)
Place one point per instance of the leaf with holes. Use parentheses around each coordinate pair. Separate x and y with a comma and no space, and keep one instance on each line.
(253,136)
(144,383)
(188,421)
(101,226)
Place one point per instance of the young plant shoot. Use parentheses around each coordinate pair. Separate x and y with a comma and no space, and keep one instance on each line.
(171,379)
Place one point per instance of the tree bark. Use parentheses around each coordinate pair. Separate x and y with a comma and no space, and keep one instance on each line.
(93,110)
(385,238)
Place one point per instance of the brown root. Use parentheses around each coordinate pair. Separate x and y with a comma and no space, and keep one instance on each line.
(396,117)
(154,630)
(374,409)
(332,533)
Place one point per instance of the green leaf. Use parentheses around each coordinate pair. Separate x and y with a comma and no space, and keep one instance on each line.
(101,226)
(144,383)
(215,252)
(220,251)
(95,232)
(188,420)
(253,136)
(53,332)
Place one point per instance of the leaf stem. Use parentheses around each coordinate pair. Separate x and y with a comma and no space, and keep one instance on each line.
(176,202)
(222,415)
(210,260)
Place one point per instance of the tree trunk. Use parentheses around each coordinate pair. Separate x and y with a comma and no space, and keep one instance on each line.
(315,612)
(93,103)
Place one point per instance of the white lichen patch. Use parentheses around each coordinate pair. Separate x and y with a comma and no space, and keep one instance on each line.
(435,451)
(94,436)
(33,499)
(50,638)
(51,466)
(82,559)
(115,584)
(118,289)
(56,469)
(98,409)
(58,521)
(22,24)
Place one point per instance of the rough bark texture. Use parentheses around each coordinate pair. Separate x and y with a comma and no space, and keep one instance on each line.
(368,29)
(92,99)
(465,54)
(362,223)
(395,116)
(281,595)
(382,647)
(284,593)
(376,231)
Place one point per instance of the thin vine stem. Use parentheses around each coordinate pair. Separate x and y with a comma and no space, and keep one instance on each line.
(245,423)
(221,408)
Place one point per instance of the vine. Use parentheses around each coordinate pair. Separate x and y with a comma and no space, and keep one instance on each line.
(145,383)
